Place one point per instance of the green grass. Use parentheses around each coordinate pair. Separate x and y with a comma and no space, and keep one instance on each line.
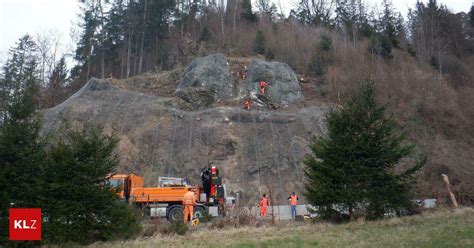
(440,229)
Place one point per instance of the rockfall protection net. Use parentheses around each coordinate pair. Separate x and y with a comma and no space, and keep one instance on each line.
(255,149)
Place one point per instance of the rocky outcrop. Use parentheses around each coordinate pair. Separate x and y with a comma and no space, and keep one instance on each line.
(167,135)
(208,76)
(283,84)
(254,149)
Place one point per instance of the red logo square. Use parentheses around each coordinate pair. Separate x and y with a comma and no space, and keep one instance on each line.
(25,223)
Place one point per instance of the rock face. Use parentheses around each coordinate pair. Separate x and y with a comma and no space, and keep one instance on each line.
(208,75)
(160,136)
(283,84)
(255,150)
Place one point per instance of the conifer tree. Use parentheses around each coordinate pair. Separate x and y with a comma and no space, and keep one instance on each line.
(247,12)
(21,152)
(259,43)
(76,190)
(471,16)
(352,168)
(66,179)
(321,57)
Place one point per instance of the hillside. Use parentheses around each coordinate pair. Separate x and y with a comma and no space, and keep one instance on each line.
(422,68)
(439,229)
(163,135)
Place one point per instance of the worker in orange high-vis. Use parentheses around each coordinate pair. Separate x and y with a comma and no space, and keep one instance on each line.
(293,198)
(263,84)
(247,103)
(189,201)
(244,74)
(264,204)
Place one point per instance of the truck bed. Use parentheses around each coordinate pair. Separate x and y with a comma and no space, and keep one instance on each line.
(161,194)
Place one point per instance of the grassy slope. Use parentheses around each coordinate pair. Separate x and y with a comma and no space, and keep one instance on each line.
(441,229)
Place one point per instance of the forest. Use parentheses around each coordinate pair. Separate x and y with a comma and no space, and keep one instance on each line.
(121,38)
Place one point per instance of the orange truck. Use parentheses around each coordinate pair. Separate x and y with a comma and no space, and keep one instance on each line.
(165,200)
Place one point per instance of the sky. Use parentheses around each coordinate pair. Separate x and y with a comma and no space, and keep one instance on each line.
(18,17)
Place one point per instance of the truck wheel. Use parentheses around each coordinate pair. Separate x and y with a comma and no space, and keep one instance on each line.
(199,212)
(175,214)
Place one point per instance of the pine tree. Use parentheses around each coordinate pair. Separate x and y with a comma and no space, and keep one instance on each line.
(115,33)
(388,23)
(267,9)
(20,66)
(205,35)
(471,16)
(79,204)
(381,45)
(21,153)
(88,45)
(247,12)
(352,168)
(321,57)
(259,43)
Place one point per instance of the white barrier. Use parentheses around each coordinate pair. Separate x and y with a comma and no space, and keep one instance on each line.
(281,212)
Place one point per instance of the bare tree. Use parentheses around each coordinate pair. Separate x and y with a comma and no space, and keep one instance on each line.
(43,42)
(129,51)
(102,39)
(317,12)
(49,44)
(221,11)
(236,4)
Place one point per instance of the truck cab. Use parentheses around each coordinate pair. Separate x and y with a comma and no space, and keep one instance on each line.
(124,183)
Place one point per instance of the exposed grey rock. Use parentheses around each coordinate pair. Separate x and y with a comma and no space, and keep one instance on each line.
(197,98)
(260,148)
(283,84)
(208,74)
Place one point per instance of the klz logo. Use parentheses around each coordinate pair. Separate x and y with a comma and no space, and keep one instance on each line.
(25,224)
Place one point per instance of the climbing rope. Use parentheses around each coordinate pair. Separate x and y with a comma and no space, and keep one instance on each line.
(292,151)
(275,160)
(173,141)
(257,155)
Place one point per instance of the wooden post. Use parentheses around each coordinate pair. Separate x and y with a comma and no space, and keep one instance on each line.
(237,209)
(448,186)
(272,202)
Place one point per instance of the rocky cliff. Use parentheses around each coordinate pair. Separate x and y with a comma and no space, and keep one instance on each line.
(166,128)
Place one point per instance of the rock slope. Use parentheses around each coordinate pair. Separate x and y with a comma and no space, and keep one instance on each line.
(256,150)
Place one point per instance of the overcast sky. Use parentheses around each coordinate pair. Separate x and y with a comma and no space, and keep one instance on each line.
(18,17)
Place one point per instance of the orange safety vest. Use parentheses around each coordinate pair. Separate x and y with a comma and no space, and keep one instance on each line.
(264,202)
(294,200)
(262,87)
(247,104)
(189,199)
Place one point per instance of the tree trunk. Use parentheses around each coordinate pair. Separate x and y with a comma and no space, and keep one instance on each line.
(135,60)
(129,53)
(235,17)
(439,60)
(448,187)
(351,210)
(140,63)
(102,38)
(88,61)
(222,16)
